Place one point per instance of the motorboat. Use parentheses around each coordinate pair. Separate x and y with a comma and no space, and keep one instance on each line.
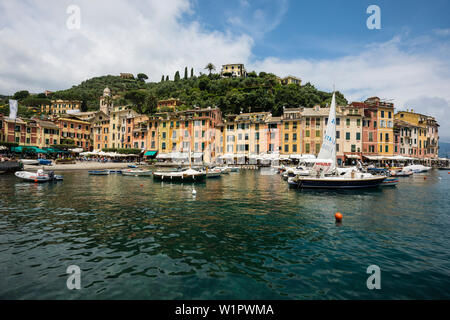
(389,182)
(234,169)
(45,162)
(115,171)
(324,173)
(29,161)
(39,176)
(10,166)
(401,173)
(213,173)
(136,172)
(99,172)
(417,168)
(224,170)
(187,175)
(132,166)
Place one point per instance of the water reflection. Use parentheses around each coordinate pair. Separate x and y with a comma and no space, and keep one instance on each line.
(244,235)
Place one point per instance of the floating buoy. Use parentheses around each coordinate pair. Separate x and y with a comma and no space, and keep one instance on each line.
(142,185)
(338,217)
(35,180)
(424,178)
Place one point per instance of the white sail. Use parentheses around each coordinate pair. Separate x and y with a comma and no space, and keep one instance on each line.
(12,109)
(328,149)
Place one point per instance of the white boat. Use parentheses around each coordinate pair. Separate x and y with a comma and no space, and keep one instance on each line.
(39,176)
(224,169)
(188,175)
(234,169)
(99,172)
(417,168)
(29,161)
(136,172)
(324,174)
(213,173)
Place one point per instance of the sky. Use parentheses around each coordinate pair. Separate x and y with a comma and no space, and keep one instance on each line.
(44,45)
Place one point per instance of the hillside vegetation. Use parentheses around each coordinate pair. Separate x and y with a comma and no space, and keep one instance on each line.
(232,95)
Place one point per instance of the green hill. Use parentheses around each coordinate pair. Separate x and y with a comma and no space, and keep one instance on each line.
(253,94)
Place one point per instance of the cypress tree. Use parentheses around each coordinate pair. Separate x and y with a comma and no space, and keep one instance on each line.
(162,78)
(167,78)
(177,76)
(185,73)
(192,72)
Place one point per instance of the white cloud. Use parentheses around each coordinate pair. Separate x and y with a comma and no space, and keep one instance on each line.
(390,70)
(39,52)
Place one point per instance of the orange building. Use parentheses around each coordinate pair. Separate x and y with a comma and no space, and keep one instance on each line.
(75,129)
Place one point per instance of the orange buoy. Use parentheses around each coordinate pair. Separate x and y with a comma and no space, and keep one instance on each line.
(424,178)
(338,217)
(35,180)
(142,185)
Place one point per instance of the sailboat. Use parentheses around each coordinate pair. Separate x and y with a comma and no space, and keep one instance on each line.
(186,175)
(325,174)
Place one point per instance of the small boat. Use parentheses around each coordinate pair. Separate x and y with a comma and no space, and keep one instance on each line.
(136,172)
(224,170)
(389,182)
(99,172)
(417,168)
(45,162)
(10,166)
(188,175)
(115,171)
(444,168)
(234,169)
(213,173)
(29,161)
(39,176)
(401,173)
(132,166)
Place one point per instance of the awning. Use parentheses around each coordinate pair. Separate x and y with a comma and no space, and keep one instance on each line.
(352,156)
(150,153)
(28,149)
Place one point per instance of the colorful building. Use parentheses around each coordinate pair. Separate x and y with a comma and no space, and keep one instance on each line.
(170,104)
(61,106)
(75,129)
(385,125)
(233,70)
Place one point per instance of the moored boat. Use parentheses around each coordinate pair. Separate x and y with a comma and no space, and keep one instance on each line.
(99,172)
(389,182)
(45,162)
(213,173)
(29,161)
(188,175)
(417,168)
(325,174)
(401,173)
(136,172)
(39,176)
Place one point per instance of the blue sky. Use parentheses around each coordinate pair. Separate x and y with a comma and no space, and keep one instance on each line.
(321,29)
(321,42)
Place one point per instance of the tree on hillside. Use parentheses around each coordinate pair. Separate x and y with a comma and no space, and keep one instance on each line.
(210,67)
(167,78)
(142,77)
(19,95)
(177,76)
(192,72)
(162,78)
(137,98)
(185,73)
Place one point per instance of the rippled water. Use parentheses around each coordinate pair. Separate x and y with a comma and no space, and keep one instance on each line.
(244,236)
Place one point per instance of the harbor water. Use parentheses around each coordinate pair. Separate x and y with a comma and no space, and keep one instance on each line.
(244,235)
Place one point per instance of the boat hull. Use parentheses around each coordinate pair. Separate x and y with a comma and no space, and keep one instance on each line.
(179,178)
(330,183)
(99,173)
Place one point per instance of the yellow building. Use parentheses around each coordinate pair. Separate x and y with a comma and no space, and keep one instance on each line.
(233,70)
(61,106)
(47,134)
(291,80)
(291,131)
(426,129)
(118,121)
